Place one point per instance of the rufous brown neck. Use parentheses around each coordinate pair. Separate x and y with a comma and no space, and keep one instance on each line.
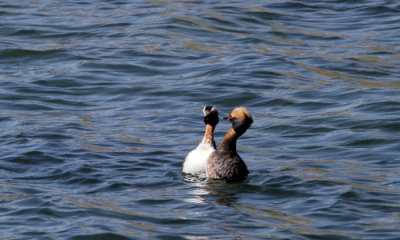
(209,135)
(229,141)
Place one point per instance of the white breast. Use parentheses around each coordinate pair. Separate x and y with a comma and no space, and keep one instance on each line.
(196,161)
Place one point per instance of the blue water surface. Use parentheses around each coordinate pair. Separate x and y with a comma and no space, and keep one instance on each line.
(100,101)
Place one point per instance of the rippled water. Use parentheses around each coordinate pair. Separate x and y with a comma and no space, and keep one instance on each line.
(101,101)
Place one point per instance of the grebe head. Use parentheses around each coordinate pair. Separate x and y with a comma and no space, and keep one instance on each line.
(210,115)
(241,119)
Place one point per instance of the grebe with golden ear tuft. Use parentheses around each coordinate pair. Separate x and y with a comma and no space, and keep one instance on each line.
(225,163)
(196,161)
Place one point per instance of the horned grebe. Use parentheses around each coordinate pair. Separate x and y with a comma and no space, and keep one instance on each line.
(224,162)
(195,162)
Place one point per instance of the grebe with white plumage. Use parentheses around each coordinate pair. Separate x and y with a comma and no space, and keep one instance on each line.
(195,162)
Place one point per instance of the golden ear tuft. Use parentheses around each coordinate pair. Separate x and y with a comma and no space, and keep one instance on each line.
(241,113)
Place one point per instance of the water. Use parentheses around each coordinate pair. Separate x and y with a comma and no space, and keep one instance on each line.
(101,101)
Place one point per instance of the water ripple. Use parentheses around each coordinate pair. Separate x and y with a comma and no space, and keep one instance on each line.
(101,101)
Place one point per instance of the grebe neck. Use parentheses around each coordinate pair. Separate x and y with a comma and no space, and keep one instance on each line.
(209,135)
(229,141)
